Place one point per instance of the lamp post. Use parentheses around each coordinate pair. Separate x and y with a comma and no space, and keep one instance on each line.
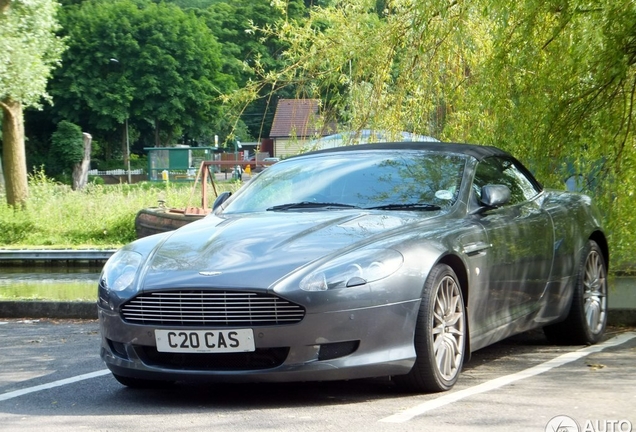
(127,154)
(127,151)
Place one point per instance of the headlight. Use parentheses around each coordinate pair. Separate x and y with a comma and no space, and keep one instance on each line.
(353,269)
(120,270)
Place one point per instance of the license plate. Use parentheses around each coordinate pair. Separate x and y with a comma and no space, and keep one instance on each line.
(205,341)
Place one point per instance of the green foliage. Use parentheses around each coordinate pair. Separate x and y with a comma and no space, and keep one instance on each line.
(13,230)
(29,49)
(97,180)
(250,49)
(196,4)
(67,144)
(152,64)
(570,73)
(552,82)
(136,162)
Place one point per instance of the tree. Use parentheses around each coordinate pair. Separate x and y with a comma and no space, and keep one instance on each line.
(194,4)
(568,69)
(29,50)
(250,50)
(151,64)
(408,68)
(552,81)
(67,146)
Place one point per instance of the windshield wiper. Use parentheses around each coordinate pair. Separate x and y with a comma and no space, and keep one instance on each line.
(309,204)
(409,206)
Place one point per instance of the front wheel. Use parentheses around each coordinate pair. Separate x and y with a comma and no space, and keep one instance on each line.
(587,319)
(440,334)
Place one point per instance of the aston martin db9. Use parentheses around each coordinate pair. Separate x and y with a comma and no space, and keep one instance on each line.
(377,260)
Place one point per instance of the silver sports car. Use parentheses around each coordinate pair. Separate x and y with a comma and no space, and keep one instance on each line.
(393,259)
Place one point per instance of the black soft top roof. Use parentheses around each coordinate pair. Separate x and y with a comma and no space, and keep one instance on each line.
(479,152)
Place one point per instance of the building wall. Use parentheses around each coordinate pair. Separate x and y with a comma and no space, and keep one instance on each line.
(284,147)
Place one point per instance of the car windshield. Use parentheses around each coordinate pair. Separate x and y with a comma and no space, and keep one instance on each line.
(388,180)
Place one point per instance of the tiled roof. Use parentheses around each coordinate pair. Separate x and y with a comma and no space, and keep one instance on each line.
(295,117)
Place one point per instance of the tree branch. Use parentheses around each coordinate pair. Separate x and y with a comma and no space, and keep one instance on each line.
(629,124)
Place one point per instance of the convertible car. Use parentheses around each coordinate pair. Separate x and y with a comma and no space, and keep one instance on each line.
(395,260)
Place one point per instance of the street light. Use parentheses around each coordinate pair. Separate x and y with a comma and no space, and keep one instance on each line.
(127,151)
(114,60)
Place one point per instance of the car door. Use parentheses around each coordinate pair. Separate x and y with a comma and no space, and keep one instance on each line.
(521,240)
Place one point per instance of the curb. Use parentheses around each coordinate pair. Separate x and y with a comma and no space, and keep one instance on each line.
(48,309)
(88,310)
(621,317)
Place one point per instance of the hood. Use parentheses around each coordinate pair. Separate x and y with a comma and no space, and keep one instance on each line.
(256,250)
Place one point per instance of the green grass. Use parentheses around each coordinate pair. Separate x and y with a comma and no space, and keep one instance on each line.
(100,216)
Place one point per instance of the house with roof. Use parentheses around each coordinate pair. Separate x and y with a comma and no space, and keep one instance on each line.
(296,122)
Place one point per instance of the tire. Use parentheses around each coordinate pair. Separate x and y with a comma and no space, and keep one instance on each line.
(139,383)
(587,319)
(440,335)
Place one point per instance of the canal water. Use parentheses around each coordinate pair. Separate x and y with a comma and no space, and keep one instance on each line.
(68,283)
(65,283)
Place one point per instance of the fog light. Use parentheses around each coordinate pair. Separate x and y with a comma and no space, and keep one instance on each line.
(118,348)
(338,349)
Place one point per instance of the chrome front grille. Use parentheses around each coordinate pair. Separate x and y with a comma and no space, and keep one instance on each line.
(211,308)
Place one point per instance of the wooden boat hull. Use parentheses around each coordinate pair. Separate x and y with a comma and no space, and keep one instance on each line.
(155,220)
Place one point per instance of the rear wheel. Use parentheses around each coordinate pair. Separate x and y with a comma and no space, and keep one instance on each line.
(587,319)
(439,335)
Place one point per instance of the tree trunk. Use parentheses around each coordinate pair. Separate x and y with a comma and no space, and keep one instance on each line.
(1,175)
(80,171)
(13,153)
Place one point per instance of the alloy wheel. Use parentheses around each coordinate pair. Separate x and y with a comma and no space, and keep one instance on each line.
(595,292)
(448,330)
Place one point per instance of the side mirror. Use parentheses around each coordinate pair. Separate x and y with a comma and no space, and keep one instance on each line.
(495,195)
(220,200)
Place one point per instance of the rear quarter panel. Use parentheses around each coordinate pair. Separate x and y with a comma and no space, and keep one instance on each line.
(575,219)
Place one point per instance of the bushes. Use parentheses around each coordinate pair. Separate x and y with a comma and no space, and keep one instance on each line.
(67,147)
(12,228)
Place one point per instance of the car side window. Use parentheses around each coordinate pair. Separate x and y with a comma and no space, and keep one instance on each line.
(498,170)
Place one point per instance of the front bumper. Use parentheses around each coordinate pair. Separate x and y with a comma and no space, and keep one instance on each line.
(348,344)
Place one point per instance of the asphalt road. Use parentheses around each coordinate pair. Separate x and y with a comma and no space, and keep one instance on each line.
(52,379)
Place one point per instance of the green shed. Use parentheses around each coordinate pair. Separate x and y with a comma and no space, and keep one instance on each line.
(178,163)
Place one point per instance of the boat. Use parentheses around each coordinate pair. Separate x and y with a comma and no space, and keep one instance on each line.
(155,220)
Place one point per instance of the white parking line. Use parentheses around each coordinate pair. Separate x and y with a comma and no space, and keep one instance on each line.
(449,398)
(14,394)
(418,410)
